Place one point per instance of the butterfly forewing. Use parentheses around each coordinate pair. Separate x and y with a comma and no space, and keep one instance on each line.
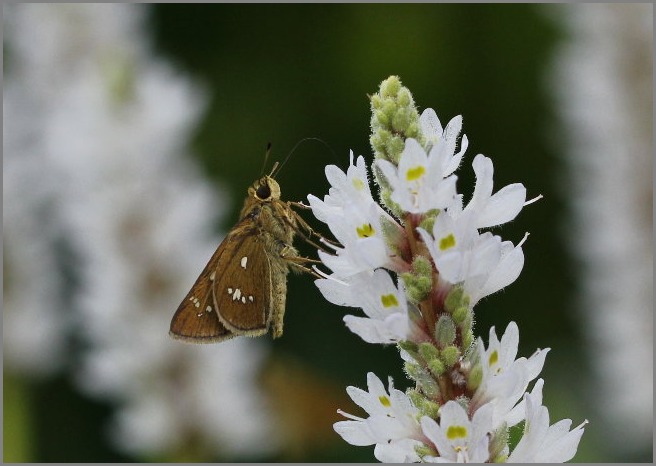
(243,292)
(196,319)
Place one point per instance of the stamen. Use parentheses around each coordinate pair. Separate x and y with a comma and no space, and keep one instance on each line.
(349,416)
(324,241)
(328,277)
(535,199)
(523,239)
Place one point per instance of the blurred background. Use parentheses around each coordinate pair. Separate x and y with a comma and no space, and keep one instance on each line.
(131,133)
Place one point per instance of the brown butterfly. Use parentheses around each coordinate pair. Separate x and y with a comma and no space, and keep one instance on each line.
(243,288)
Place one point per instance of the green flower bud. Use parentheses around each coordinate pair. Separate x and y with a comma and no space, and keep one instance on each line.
(390,87)
(428,351)
(376,102)
(454,299)
(468,339)
(401,120)
(425,406)
(436,367)
(426,383)
(382,117)
(450,355)
(445,331)
(460,314)
(422,266)
(475,377)
(395,147)
(412,131)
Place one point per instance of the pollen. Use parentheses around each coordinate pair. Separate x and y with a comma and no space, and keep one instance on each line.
(365,231)
(456,432)
(384,401)
(243,262)
(389,300)
(447,242)
(415,173)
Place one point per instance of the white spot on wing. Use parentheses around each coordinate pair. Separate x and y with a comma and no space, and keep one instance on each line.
(243,299)
(250,298)
(212,275)
(244,260)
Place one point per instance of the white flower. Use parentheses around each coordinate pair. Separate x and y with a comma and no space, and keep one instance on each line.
(384,304)
(458,439)
(482,263)
(493,209)
(354,218)
(444,141)
(505,378)
(542,443)
(392,423)
(421,181)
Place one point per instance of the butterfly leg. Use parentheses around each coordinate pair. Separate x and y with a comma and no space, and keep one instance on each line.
(308,229)
(297,263)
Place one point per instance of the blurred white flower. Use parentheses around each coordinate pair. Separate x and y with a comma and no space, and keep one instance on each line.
(603,80)
(97,130)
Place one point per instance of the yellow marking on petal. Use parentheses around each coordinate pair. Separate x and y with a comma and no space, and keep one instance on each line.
(358,184)
(415,173)
(384,401)
(447,242)
(365,231)
(389,300)
(455,432)
(494,358)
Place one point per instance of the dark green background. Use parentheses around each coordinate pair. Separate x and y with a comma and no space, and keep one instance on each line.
(281,73)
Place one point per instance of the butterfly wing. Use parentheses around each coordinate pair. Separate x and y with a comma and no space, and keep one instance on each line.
(196,319)
(242,291)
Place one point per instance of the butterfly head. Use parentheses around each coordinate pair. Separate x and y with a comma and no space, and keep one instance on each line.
(265,189)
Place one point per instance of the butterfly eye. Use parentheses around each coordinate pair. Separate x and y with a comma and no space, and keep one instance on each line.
(263,192)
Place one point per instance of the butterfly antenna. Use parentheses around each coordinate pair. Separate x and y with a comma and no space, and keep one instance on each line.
(299,143)
(266,158)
